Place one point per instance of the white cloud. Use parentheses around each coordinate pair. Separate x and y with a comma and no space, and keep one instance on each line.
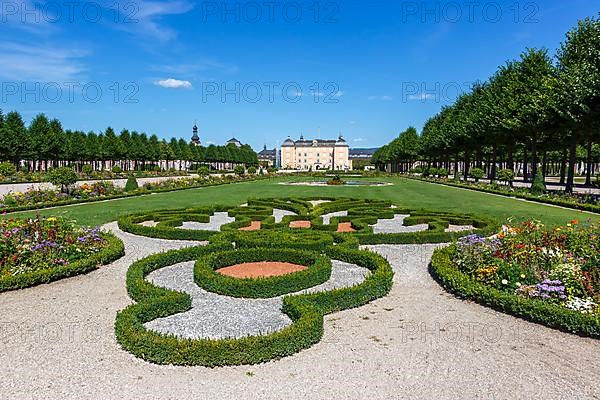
(359,139)
(145,18)
(421,96)
(171,83)
(41,63)
(380,98)
(339,93)
(318,94)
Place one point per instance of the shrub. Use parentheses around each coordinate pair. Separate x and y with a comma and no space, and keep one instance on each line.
(157,168)
(203,171)
(252,170)
(116,169)
(416,170)
(271,170)
(306,312)
(131,184)
(86,169)
(239,170)
(506,175)
(442,172)
(477,174)
(63,177)
(538,186)
(7,169)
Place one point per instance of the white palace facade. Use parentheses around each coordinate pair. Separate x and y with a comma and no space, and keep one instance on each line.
(316,154)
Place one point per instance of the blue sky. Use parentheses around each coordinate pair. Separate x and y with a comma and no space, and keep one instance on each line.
(261,72)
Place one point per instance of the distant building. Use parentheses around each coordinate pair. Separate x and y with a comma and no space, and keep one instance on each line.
(362,154)
(267,157)
(195,138)
(235,142)
(315,154)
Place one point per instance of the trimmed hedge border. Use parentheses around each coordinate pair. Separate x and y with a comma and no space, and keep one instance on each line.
(305,310)
(207,277)
(361,213)
(581,207)
(445,273)
(114,250)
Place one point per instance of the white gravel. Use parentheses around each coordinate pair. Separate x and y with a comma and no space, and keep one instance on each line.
(216,317)
(217,220)
(459,228)
(279,214)
(327,217)
(395,225)
(57,342)
(315,203)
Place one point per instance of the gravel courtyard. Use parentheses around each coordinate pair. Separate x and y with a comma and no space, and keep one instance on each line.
(57,342)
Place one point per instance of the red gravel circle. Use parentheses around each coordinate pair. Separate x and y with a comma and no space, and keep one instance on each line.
(261,269)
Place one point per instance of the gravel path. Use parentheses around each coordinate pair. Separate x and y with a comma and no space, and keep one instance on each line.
(217,220)
(396,225)
(327,217)
(215,316)
(57,342)
(279,214)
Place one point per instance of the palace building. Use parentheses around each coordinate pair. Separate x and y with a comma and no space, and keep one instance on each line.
(315,154)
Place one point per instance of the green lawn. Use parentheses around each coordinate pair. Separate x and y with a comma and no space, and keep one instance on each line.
(404,192)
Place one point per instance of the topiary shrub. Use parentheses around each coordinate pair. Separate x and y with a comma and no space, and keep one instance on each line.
(252,170)
(538,186)
(87,169)
(477,174)
(203,171)
(442,173)
(7,169)
(64,177)
(239,170)
(506,175)
(116,169)
(131,184)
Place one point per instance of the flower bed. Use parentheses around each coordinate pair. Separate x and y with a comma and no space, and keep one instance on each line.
(34,199)
(548,276)
(40,250)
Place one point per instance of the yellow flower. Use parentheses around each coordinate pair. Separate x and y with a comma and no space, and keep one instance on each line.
(51,219)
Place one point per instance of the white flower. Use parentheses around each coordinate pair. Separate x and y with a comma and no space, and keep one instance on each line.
(522,276)
(518,284)
(504,282)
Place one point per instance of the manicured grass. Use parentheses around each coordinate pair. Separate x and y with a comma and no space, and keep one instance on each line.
(404,192)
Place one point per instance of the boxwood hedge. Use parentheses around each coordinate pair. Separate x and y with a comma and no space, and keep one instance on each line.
(305,310)
(207,276)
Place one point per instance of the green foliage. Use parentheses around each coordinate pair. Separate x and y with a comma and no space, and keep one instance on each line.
(116,169)
(131,184)
(477,174)
(306,312)
(252,170)
(538,186)
(203,171)
(239,170)
(207,277)
(506,175)
(7,169)
(63,177)
(442,173)
(87,169)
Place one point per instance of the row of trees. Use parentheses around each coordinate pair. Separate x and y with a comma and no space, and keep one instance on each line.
(534,111)
(44,144)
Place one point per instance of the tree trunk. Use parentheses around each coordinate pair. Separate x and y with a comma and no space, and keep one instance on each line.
(492,174)
(588,173)
(572,162)
(525,163)
(563,166)
(534,157)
